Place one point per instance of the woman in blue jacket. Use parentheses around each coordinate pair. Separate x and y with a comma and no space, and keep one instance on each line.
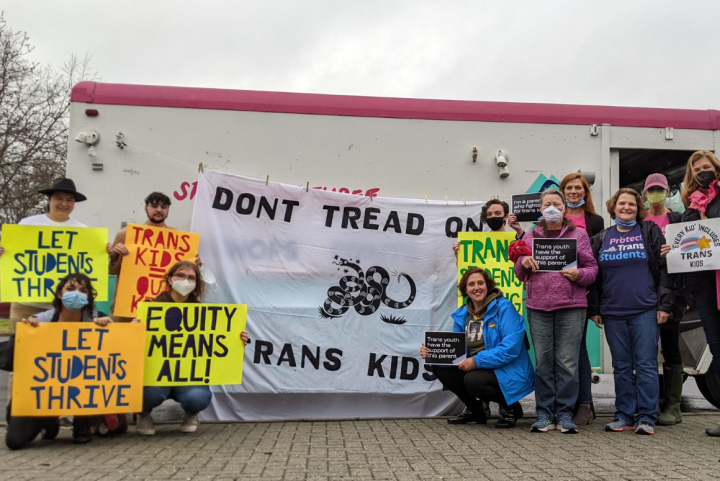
(497,367)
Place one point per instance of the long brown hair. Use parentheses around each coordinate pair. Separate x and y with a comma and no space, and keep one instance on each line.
(690,177)
(588,205)
(199,292)
(641,209)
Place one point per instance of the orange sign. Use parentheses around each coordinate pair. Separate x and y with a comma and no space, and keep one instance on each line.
(153,251)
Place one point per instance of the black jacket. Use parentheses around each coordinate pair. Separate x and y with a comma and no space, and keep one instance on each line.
(594,223)
(654,239)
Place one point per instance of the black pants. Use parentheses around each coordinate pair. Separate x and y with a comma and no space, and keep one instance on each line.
(22,430)
(670,342)
(471,387)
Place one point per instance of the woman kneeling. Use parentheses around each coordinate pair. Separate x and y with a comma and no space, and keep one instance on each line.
(74,302)
(497,367)
(186,285)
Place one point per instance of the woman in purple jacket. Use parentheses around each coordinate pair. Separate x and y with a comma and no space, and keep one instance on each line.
(556,305)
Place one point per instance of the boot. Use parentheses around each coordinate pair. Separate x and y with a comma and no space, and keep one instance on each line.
(509,416)
(673,382)
(584,416)
(476,415)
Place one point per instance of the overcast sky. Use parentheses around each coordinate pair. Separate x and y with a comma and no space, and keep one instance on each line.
(653,53)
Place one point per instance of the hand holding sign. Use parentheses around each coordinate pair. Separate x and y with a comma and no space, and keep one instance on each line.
(193,344)
(76,368)
(39,256)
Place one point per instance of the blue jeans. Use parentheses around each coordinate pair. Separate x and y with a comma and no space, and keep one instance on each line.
(585,370)
(633,345)
(556,337)
(192,399)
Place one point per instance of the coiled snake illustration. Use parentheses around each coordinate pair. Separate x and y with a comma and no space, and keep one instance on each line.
(363,291)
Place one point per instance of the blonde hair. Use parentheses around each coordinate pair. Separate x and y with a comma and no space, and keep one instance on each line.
(690,177)
(641,209)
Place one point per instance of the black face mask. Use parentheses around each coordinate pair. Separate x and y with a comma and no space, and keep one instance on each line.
(705,178)
(495,223)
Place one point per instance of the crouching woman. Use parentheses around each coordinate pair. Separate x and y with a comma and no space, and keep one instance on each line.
(497,367)
(73,302)
(186,286)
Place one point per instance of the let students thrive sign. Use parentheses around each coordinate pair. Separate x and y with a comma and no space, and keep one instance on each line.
(193,344)
(489,251)
(36,258)
(695,246)
(78,369)
(153,251)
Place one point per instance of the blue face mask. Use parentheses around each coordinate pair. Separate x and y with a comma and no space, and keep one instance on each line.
(74,300)
(575,206)
(625,225)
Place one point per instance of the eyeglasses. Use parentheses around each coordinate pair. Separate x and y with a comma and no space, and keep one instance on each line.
(182,277)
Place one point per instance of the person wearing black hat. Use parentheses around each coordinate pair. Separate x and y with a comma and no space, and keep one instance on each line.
(62,196)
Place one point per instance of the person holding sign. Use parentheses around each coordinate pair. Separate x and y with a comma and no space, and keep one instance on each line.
(62,196)
(157,209)
(581,211)
(74,302)
(497,367)
(496,214)
(186,286)
(655,192)
(631,297)
(556,305)
(700,196)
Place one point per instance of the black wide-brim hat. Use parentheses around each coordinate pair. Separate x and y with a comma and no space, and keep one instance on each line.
(63,185)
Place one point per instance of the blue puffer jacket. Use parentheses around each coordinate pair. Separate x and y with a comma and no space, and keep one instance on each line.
(505,353)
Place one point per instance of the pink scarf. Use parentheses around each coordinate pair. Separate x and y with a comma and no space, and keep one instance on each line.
(700,202)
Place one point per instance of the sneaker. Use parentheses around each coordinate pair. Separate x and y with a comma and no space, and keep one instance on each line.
(467,416)
(713,431)
(645,428)
(145,425)
(189,424)
(619,425)
(566,426)
(542,425)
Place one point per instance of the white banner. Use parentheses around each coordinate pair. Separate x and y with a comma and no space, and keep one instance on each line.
(340,290)
(695,246)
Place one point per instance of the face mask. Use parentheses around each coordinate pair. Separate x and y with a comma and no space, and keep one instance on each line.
(657,197)
(495,223)
(183,287)
(625,225)
(705,178)
(74,300)
(575,206)
(552,215)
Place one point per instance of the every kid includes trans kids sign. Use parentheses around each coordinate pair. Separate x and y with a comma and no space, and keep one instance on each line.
(695,246)
(193,344)
(78,369)
(153,251)
(36,258)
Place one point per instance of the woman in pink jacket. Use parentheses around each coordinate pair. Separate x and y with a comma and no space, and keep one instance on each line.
(556,306)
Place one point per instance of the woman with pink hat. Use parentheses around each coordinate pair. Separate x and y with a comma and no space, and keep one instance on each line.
(655,192)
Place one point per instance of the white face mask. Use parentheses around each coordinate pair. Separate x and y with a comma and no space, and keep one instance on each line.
(552,215)
(183,287)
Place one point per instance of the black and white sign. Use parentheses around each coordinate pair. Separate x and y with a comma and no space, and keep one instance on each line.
(555,254)
(526,207)
(445,348)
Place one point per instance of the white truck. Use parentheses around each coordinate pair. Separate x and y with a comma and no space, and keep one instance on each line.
(129,140)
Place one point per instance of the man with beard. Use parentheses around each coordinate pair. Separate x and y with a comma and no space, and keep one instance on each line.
(157,208)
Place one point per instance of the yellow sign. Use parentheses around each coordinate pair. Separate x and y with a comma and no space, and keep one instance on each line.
(78,369)
(153,251)
(36,258)
(489,251)
(193,344)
